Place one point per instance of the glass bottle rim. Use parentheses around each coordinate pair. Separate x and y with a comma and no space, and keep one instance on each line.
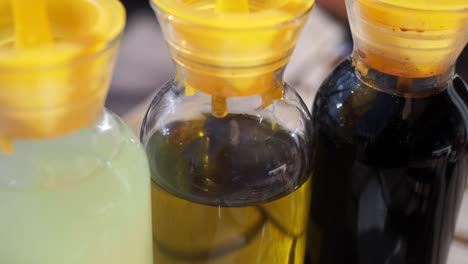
(406,8)
(265,19)
(115,16)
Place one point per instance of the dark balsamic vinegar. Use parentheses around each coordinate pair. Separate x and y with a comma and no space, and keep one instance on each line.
(389,172)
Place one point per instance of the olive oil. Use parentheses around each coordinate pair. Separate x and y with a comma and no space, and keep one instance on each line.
(230,190)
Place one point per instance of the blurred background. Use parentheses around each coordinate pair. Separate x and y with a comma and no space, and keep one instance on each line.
(144,63)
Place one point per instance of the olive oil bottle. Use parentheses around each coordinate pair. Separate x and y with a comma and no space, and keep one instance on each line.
(228,141)
(391,128)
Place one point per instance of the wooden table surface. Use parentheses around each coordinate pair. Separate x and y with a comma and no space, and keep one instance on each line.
(320,48)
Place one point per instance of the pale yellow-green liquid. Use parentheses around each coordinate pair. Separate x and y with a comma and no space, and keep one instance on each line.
(80,199)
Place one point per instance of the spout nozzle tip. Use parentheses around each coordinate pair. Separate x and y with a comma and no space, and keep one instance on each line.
(219,106)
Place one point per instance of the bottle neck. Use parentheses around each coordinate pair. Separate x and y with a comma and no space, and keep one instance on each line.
(223,83)
(219,80)
(400,84)
(51,101)
(42,124)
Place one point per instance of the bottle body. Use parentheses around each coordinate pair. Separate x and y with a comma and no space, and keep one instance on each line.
(80,198)
(389,171)
(230,189)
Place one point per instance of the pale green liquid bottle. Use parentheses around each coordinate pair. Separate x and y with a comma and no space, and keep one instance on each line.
(74,180)
(81,198)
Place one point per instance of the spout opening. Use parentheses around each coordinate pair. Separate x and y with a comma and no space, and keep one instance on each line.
(438,6)
(81,30)
(252,14)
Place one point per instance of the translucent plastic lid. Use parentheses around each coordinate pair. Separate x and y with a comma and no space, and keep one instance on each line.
(231,48)
(56,60)
(218,37)
(416,38)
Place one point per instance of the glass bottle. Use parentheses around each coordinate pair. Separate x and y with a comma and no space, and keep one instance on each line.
(228,141)
(390,133)
(74,180)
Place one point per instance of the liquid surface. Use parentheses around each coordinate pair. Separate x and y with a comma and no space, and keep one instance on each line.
(389,173)
(79,199)
(231,190)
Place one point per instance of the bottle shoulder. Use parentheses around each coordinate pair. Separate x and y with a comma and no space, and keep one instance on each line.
(252,155)
(171,104)
(348,111)
(67,160)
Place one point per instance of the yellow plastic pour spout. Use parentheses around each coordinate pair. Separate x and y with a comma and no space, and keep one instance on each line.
(32,30)
(219,102)
(410,39)
(56,60)
(231,48)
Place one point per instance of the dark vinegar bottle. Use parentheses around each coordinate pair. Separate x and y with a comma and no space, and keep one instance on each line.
(390,133)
